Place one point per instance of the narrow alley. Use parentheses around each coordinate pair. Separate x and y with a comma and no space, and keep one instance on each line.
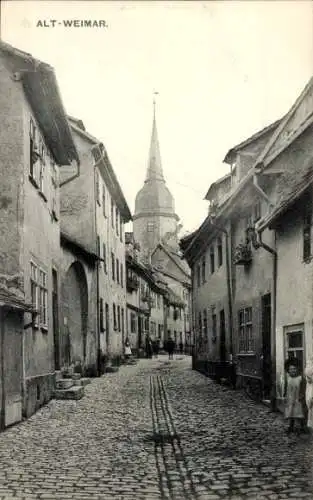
(152,431)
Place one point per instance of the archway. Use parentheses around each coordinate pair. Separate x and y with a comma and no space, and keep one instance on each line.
(75,311)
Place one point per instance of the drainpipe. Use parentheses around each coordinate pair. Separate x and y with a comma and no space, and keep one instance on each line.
(260,243)
(2,318)
(229,288)
(97,280)
(273,329)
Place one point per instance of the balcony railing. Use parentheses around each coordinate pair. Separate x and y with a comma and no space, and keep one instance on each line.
(243,255)
(132,283)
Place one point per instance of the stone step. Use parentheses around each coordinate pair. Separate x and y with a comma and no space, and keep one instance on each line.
(58,375)
(75,392)
(111,369)
(82,381)
(64,383)
(76,376)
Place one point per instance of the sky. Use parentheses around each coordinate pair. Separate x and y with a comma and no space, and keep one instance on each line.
(223,70)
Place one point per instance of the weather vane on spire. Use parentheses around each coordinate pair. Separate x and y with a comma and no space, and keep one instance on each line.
(154,94)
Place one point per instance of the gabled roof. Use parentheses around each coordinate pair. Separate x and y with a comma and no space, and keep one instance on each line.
(174,299)
(216,184)
(233,151)
(296,121)
(174,256)
(186,240)
(77,122)
(77,247)
(42,92)
(107,170)
(291,186)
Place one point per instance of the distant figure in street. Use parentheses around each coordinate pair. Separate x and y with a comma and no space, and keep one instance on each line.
(170,348)
(156,347)
(127,349)
(295,409)
(181,347)
(309,393)
(149,348)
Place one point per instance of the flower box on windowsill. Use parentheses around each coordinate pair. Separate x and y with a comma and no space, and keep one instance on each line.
(243,255)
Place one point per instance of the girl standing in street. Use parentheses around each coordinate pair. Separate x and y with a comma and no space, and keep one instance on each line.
(127,349)
(295,397)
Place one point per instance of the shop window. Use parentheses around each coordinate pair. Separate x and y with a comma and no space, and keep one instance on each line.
(294,342)
(246,338)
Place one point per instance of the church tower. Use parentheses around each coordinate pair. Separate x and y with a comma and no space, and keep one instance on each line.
(154,216)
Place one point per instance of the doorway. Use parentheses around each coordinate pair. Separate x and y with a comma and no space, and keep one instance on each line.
(222,336)
(266,346)
(107,327)
(55,319)
(139,332)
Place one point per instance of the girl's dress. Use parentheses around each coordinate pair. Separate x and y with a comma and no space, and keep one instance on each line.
(294,397)
(128,350)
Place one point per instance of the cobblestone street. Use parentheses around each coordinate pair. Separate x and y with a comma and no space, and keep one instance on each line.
(152,431)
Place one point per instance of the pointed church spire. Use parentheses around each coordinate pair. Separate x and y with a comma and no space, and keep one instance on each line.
(154,171)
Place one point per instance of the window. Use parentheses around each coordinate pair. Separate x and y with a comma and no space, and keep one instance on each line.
(101,316)
(34,286)
(42,163)
(200,324)
(294,342)
(33,153)
(117,221)
(112,212)
(122,275)
(119,318)
(307,232)
(160,330)
(104,258)
(113,266)
(246,340)
(212,264)
(117,270)
(220,252)
(133,322)
(54,181)
(257,211)
(205,322)
(214,325)
(98,187)
(198,275)
(146,324)
(114,317)
(43,299)
(121,229)
(39,294)
(103,200)
(203,270)
(150,227)
(122,318)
